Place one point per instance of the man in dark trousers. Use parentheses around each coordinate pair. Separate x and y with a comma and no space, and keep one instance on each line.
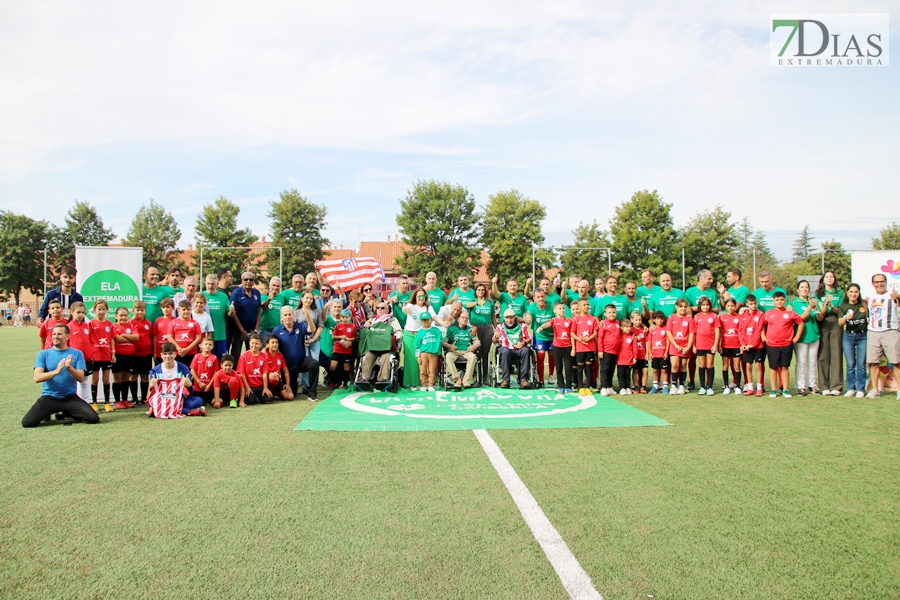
(60,369)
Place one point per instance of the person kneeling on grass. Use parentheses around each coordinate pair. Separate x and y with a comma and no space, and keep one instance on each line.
(60,369)
(170,382)
(253,366)
(227,385)
(779,337)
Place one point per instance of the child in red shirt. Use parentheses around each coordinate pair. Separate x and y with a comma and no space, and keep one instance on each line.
(779,337)
(752,351)
(161,326)
(584,333)
(639,370)
(730,346)
(709,332)
(658,349)
(143,348)
(103,353)
(227,385)
(342,354)
(610,333)
(680,330)
(278,371)
(121,368)
(46,330)
(626,355)
(80,339)
(186,334)
(561,351)
(204,367)
(253,367)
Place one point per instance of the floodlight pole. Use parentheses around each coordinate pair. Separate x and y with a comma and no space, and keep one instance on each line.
(45,272)
(683,282)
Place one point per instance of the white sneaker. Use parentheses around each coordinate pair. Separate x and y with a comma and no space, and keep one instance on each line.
(604,392)
(872,394)
(430,388)
(726,391)
(850,394)
(860,394)
(835,392)
(681,390)
(413,388)
(786,394)
(826,392)
(702,391)
(710,391)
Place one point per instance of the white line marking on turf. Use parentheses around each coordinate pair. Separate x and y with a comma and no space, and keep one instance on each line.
(577,583)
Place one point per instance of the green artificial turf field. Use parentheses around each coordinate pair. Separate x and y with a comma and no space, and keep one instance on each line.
(739,498)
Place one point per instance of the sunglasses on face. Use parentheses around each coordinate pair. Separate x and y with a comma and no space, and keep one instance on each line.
(248,279)
(367,289)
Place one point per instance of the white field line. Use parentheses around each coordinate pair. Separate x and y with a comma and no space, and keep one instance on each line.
(574,579)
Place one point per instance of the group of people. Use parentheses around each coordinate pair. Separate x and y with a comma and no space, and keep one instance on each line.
(18,317)
(243,346)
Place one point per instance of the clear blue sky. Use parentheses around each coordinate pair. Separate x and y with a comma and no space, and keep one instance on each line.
(577,105)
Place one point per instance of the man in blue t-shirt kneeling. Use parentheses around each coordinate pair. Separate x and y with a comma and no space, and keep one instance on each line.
(60,369)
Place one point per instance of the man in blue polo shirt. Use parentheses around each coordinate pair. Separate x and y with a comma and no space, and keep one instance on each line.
(292,340)
(247,303)
(60,369)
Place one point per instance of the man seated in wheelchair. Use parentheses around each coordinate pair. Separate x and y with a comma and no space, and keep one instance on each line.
(379,337)
(461,343)
(512,339)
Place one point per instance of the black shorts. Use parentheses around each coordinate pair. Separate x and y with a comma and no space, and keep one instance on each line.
(757,355)
(342,359)
(123,363)
(660,363)
(276,387)
(141,365)
(780,356)
(100,365)
(704,352)
(584,358)
(640,364)
(731,352)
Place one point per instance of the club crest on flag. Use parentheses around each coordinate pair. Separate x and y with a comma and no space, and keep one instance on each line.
(349,264)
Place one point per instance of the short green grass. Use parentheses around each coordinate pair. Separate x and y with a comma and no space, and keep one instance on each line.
(740,498)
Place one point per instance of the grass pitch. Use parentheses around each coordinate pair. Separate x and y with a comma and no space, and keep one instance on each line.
(741,498)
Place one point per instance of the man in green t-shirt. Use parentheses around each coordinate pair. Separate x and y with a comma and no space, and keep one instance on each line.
(736,289)
(511,298)
(634,303)
(665,296)
(400,298)
(461,343)
(292,296)
(153,293)
(271,312)
(647,287)
(436,296)
(547,287)
(765,292)
(219,306)
(703,288)
(312,283)
(614,298)
(462,292)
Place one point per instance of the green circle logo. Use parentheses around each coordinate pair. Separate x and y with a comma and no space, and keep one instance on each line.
(117,288)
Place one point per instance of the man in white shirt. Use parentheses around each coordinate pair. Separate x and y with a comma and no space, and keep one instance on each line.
(883,338)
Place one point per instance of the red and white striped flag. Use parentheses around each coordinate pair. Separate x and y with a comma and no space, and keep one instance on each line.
(167,399)
(351,273)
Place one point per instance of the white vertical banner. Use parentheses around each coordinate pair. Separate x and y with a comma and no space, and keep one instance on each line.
(109,273)
(865,264)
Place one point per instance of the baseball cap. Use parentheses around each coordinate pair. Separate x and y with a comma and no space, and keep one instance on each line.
(509,313)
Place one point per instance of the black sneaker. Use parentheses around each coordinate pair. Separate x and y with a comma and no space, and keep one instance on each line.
(690,386)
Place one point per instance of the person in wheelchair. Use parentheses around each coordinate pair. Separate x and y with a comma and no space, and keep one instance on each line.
(380,336)
(461,343)
(512,339)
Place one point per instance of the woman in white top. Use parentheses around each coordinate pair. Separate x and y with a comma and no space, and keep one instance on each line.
(414,309)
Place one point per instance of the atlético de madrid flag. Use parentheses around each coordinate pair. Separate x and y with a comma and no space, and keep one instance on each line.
(351,273)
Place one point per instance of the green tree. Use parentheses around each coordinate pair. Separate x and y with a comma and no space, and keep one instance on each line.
(587,263)
(22,260)
(154,229)
(838,260)
(644,237)
(297,226)
(81,227)
(888,238)
(439,221)
(803,247)
(708,241)
(217,228)
(512,225)
(749,243)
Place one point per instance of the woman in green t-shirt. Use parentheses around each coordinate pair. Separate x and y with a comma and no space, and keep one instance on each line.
(831,363)
(854,316)
(482,317)
(807,347)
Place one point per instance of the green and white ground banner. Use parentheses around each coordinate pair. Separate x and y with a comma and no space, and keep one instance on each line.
(483,408)
(109,273)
